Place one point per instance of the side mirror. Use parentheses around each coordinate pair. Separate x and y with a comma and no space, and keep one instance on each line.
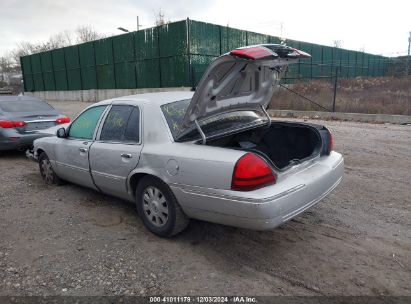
(61,133)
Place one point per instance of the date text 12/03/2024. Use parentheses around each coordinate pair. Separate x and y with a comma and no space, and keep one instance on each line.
(203,299)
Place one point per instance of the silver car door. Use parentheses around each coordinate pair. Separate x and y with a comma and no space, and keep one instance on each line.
(117,149)
(72,153)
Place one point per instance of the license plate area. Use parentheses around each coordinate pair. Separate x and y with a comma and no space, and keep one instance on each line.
(34,126)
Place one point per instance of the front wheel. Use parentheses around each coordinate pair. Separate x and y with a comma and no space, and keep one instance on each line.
(158,208)
(47,172)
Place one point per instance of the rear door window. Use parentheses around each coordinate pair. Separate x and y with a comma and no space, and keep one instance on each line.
(122,124)
(84,125)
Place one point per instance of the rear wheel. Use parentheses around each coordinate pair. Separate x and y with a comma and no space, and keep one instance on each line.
(47,172)
(158,208)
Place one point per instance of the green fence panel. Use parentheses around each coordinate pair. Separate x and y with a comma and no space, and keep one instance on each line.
(48,78)
(105,76)
(327,68)
(352,63)
(175,71)
(26,64)
(86,54)
(359,64)
(148,73)
(199,64)
(232,38)
(146,44)
(123,48)
(173,55)
(173,39)
(88,78)
(59,62)
(125,75)
(28,83)
(74,79)
(103,49)
(38,82)
(36,63)
(344,63)
(61,80)
(72,57)
(256,38)
(274,39)
(204,38)
(316,60)
(46,62)
(306,64)
(336,53)
(292,73)
(367,61)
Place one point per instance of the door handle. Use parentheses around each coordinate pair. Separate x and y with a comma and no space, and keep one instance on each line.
(126,155)
(82,149)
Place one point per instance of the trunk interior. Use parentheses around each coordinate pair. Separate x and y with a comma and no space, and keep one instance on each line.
(283,143)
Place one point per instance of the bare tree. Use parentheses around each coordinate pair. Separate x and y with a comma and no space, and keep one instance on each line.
(160,19)
(6,66)
(87,33)
(62,39)
(338,44)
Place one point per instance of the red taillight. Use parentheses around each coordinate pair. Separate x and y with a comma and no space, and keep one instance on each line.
(7,124)
(251,172)
(255,52)
(63,120)
(330,142)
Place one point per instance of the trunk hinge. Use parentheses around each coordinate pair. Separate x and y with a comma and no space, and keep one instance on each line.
(203,137)
(266,114)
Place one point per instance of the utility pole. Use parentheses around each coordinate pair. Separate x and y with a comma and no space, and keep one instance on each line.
(408,56)
(138,24)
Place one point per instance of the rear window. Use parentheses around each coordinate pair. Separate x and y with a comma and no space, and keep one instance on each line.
(25,106)
(226,122)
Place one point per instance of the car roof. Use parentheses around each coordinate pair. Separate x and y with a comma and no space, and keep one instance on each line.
(158,98)
(16,98)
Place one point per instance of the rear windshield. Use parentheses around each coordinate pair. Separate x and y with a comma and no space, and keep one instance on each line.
(174,114)
(25,106)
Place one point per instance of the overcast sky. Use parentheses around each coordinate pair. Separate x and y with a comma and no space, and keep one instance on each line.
(378,27)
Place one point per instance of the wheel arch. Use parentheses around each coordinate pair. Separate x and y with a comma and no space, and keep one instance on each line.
(137,176)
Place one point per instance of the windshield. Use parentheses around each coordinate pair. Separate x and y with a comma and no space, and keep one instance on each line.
(25,106)
(222,123)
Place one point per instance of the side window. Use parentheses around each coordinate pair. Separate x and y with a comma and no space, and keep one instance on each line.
(122,124)
(132,133)
(83,127)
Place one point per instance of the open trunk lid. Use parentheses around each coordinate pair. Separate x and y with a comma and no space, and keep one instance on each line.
(243,79)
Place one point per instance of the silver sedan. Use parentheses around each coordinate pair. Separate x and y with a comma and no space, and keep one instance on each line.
(213,155)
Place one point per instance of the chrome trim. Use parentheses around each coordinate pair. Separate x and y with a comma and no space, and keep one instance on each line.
(203,136)
(112,176)
(72,167)
(39,120)
(236,198)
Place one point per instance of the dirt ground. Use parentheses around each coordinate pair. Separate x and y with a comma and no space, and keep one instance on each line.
(69,240)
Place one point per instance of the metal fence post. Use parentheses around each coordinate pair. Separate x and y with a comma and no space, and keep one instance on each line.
(335,87)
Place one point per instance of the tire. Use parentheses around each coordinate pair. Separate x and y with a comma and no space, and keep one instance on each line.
(158,208)
(47,172)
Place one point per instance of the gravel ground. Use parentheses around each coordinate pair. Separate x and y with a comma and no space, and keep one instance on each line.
(70,240)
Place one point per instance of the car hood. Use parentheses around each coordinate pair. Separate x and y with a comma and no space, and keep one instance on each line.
(244,78)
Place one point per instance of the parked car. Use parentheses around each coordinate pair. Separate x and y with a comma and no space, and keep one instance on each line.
(21,117)
(213,155)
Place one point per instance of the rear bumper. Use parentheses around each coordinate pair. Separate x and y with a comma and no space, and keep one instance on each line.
(280,203)
(18,141)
